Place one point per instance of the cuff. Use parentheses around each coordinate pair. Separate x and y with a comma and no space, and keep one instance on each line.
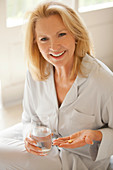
(26,130)
(104,149)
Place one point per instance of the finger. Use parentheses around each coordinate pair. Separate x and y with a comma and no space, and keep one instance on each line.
(58,142)
(33,150)
(30,135)
(62,143)
(30,140)
(62,139)
(67,145)
(73,143)
(36,153)
(32,147)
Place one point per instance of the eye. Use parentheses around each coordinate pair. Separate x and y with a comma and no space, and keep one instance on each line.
(44,39)
(62,34)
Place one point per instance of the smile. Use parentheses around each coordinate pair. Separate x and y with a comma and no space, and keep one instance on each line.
(57,55)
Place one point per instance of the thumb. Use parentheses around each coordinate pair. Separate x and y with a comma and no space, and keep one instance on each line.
(88,140)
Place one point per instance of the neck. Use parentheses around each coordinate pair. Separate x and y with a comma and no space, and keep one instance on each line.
(62,74)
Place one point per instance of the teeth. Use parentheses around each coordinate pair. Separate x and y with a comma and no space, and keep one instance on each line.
(57,55)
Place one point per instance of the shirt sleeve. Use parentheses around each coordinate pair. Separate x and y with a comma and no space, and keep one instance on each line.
(29,113)
(104,149)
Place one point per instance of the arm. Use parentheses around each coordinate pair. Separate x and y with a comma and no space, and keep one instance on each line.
(27,106)
(100,141)
(29,109)
(29,115)
(105,148)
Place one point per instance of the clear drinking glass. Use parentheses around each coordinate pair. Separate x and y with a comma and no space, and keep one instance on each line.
(41,133)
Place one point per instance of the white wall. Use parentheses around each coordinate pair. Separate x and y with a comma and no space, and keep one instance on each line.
(12,65)
(12,68)
(100,25)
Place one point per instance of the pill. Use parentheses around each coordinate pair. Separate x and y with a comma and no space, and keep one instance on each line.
(70,141)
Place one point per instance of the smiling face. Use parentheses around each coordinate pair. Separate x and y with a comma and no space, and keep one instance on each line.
(55,42)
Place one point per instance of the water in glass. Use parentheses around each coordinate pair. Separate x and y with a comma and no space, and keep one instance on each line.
(42,135)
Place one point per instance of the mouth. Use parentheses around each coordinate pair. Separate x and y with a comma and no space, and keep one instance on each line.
(58,55)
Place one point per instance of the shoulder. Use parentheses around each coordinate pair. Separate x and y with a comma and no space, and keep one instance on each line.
(97,69)
(36,83)
(100,76)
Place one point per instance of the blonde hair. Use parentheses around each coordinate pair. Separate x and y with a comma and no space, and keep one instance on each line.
(38,66)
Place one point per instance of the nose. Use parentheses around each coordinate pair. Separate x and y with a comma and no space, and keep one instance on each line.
(54,45)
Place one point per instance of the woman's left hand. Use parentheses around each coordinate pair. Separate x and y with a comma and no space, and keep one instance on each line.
(79,139)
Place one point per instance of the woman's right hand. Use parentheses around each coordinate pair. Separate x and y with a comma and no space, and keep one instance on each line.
(31,148)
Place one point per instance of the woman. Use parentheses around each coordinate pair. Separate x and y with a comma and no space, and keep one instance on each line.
(69,85)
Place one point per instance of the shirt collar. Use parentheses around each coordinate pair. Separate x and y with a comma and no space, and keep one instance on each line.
(86,67)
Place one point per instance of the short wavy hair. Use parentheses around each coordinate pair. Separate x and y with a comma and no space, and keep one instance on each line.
(38,66)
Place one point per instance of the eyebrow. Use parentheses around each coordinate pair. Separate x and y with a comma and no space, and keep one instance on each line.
(42,35)
(61,30)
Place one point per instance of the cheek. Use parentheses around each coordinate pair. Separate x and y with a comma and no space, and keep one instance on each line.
(71,47)
(70,43)
(42,48)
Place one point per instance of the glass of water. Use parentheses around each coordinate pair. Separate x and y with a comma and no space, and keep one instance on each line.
(41,133)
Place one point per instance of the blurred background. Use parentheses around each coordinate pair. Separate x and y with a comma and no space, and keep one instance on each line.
(98,16)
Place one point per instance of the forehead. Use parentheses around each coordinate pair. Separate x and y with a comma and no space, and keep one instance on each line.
(49,25)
